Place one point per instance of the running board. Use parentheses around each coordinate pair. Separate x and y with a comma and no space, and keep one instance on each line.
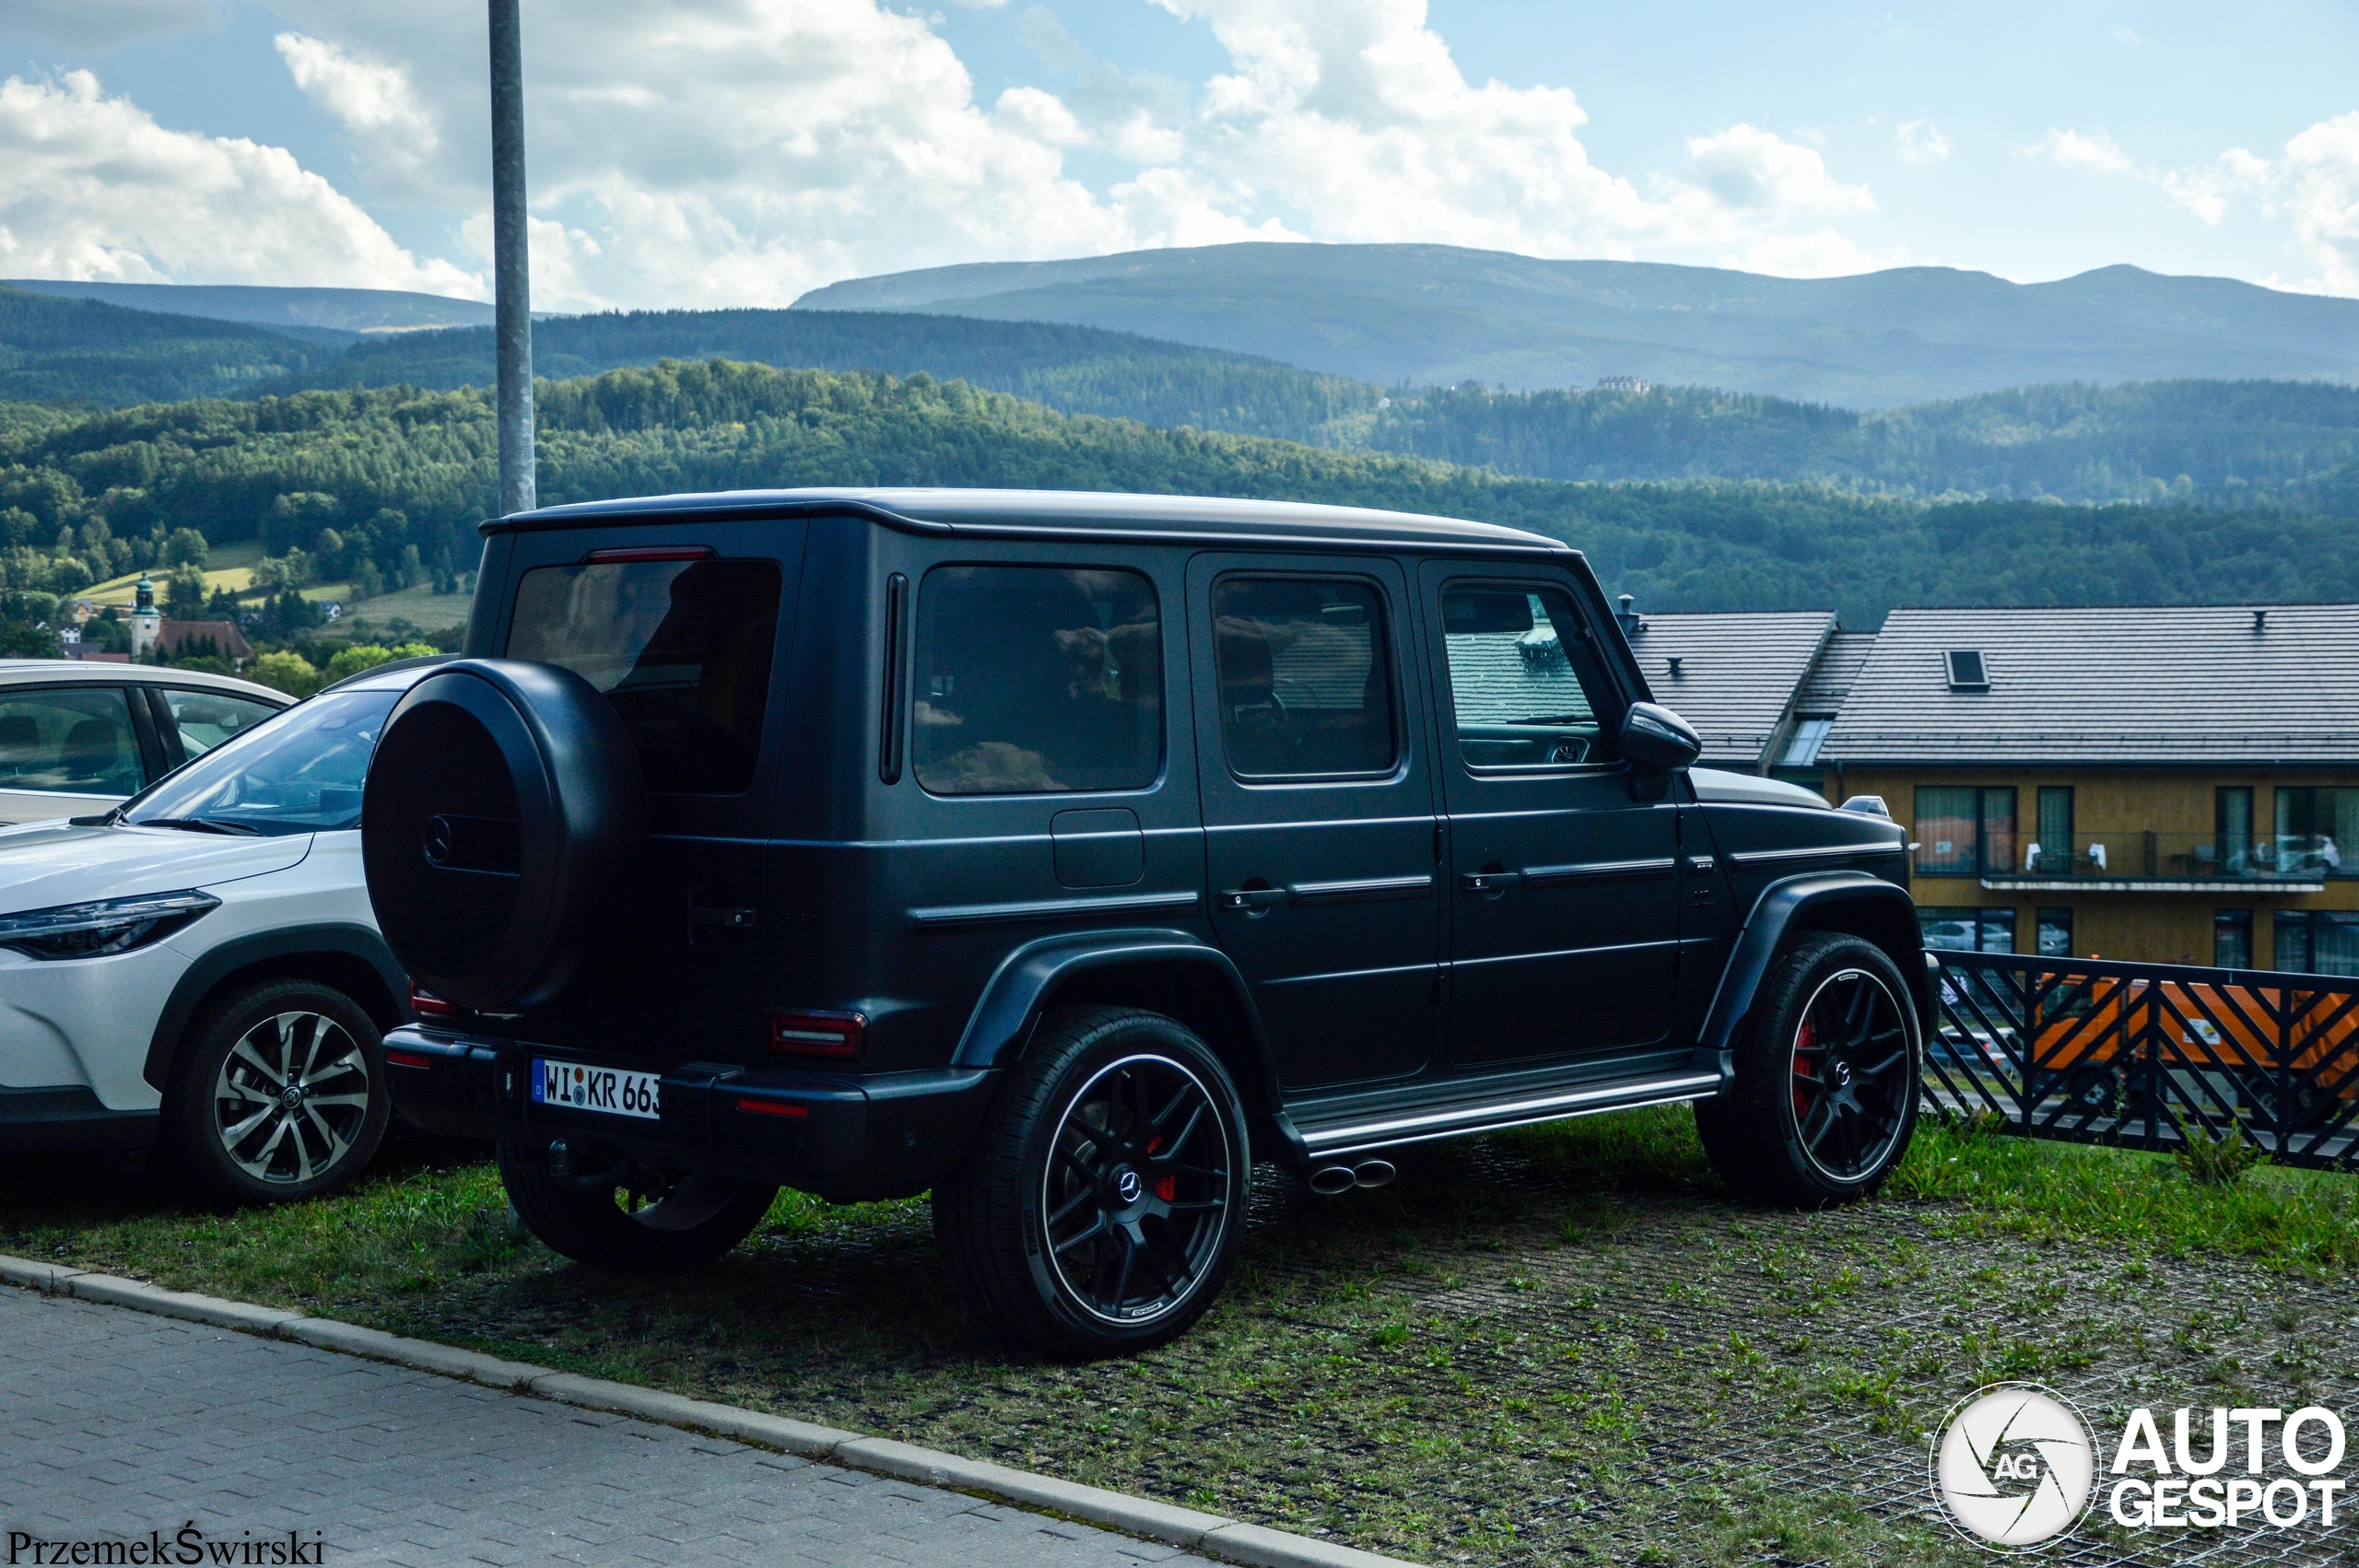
(1354,1137)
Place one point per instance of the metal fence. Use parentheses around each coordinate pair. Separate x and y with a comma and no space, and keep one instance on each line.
(2148,1054)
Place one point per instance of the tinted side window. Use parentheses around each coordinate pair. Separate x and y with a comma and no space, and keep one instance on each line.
(1526,687)
(1306,684)
(1037,678)
(682,649)
(205,720)
(69,741)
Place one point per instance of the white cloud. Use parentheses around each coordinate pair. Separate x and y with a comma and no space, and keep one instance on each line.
(1750,169)
(2076,149)
(92,188)
(1920,141)
(756,148)
(2318,187)
(103,24)
(377,106)
(2127,38)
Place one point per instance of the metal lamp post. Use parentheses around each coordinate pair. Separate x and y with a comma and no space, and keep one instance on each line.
(511,261)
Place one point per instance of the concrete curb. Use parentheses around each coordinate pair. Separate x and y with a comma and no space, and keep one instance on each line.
(1256,1546)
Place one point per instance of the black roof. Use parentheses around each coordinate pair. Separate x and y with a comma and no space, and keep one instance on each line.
(1737,673)
(945,510)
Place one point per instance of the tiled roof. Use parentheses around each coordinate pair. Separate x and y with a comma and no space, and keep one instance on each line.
(1847,653)
(1501,677)
(1737,673)
(2195,683)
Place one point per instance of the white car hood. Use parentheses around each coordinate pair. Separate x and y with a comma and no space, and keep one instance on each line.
(46,864)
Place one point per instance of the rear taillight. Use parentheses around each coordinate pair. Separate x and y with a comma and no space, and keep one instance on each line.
(818,1036)
(426,1004)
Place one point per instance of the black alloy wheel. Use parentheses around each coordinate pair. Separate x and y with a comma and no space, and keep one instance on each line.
(1827,1078)
(1100,1205)
(1139,1193)
(1854,1081)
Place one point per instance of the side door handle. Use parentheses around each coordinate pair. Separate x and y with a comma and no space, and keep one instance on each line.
(1490,884)
(1253,900)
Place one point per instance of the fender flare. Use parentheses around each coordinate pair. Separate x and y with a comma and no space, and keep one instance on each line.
(1774,914)
(344,939)
(1010,1005)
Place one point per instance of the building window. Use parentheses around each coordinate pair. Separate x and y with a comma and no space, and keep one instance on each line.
(2317,941)
(2316,829)
(2050,850)
(2232,828)
(2055,931)
(2232,938)
(1810,733)
(1967,931)
(1966,831)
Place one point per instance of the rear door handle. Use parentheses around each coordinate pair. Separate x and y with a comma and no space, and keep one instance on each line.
(1489,884)
(1253,900)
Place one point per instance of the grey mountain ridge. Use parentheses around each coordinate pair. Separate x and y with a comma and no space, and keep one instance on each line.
(1438,315)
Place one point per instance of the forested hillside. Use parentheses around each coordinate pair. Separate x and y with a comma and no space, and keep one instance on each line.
(84,351)
(390,471)
(2207,442)
(1078,369)
(2149,442)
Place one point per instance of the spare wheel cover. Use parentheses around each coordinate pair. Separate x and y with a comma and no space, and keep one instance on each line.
(503,832)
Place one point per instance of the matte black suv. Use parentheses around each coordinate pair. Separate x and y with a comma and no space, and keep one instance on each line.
(1065,854)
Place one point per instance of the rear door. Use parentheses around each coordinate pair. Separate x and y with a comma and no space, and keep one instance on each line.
(1564,897)
(682,627)
(1318,808)
(72,750)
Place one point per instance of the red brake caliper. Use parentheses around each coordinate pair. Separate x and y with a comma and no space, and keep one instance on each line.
(1164,1187)
(1803,1041)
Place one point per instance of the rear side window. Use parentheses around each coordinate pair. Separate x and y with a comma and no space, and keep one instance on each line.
(682,649)
(1306,687)
(205,720)
(75,742)
(1032,679)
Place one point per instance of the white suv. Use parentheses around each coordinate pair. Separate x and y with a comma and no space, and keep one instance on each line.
(75,738)
(202,961)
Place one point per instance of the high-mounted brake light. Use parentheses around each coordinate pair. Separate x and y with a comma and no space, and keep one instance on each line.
(650,553)
(426,1004)
(822,1036)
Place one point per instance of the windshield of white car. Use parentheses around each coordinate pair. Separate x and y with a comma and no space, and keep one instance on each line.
(299,772)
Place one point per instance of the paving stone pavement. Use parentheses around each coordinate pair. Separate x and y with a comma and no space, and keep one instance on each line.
(115,1424)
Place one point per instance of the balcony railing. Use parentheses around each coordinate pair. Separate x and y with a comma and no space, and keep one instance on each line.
(2145,855)
(2148,1055)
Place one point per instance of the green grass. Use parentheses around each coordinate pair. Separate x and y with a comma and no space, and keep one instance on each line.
(1553,1346)
(2301,1220)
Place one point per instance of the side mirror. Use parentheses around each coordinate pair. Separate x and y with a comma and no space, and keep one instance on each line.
(1656,739)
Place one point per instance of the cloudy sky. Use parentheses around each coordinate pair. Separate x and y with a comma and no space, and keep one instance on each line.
(738,152)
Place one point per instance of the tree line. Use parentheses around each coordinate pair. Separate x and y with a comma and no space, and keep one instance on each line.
(394,479)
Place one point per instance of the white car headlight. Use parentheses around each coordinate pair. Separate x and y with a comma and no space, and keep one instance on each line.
(108,925)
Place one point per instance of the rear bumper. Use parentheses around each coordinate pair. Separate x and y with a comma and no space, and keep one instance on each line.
(41,1121)
(842,1137)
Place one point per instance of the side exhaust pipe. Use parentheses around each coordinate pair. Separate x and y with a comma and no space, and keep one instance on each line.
(1330,1180)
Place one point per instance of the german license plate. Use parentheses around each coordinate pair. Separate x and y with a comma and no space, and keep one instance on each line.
(606,1089)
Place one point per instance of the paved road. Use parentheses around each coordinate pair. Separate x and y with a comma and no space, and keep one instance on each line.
(115,1424)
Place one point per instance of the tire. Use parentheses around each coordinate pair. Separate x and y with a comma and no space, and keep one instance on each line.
(1827,1070)
(613,1213)
(1117,1141)
(278,1092)
(504,833)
